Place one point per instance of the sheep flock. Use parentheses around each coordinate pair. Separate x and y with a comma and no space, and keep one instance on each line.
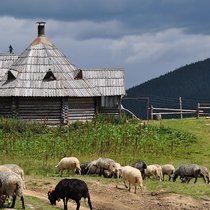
(72,187)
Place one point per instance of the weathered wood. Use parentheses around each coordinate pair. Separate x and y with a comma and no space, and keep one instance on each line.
(82,109)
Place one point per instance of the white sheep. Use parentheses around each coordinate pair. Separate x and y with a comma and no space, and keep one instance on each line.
(159,172)
(168,169)
(153,170)
(69,163)
(4,169)
(11,185)
(132,176)
(16,169)
(117,169)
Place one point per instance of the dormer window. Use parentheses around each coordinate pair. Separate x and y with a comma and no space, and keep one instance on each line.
(79,75)
(10,76)
(49,76)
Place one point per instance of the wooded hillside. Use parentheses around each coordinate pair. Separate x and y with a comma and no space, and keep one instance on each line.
(190,82)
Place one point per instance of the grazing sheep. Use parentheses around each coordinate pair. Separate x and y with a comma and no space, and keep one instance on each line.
(117,170)
(106,164)
(203,174)
(16,169)
(84,169)
(11,185)
(159,172)
(67,189)
(141,165)
(153,170)
(168,169)
(187,171)
(132,175)
(4,169)
(92,168)
(69,163)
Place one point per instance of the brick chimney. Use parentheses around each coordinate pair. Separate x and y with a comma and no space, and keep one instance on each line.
(41,28)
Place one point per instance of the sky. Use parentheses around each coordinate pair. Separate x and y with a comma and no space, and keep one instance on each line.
(147,38)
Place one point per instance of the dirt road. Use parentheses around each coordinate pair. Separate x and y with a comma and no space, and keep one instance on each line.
(105,196)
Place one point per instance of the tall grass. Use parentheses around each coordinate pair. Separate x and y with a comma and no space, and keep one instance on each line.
(37,146)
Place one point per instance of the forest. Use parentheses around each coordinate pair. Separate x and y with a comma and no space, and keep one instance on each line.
(190,82)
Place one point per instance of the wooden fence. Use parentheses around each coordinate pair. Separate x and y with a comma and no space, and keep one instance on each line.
(203,109)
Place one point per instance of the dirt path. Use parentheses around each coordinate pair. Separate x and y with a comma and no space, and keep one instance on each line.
(108,197)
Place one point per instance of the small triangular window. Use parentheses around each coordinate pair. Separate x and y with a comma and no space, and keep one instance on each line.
(49,76)
(10,76)
(79,75)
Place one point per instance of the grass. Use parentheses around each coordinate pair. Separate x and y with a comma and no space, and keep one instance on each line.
(35,203)
(199,151)
(38,148)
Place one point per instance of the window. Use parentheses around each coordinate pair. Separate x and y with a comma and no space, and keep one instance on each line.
(10,76)
(49,76)
(109,101)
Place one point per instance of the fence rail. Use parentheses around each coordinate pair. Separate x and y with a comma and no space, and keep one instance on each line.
(201,110)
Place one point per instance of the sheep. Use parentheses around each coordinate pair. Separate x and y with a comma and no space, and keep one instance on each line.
(159,172)
(132,175)
(117,170)
(153,170)
(168,169)
(4,169)
(203,174)
(83,167)
(68,163)
(16,169)
(67,189)
(106,164)
(11,185)
(141,165)
(186,171)
(92,168)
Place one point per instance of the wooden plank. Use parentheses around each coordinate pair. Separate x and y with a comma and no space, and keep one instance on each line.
(82,109)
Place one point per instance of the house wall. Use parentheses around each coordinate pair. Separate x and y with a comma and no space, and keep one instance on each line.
(6,107)
(57,110)
(82,109)
(46,110)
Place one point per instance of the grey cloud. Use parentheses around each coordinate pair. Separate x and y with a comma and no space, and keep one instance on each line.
(134,16)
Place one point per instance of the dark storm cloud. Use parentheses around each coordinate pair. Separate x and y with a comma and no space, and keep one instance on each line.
(133,16)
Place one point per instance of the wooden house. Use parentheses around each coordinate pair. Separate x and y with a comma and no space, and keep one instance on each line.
(41,84)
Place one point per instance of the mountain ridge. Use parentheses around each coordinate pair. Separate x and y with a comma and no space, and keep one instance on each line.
(190,82)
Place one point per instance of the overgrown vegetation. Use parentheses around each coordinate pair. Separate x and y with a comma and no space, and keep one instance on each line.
(39,146)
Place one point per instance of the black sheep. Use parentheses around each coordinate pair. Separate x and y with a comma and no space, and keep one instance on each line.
(141,165)
(67,189)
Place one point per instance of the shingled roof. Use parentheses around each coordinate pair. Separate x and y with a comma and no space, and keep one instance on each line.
(109,81)
(43,71)
(6,60)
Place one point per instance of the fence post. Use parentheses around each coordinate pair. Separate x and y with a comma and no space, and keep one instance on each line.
(198,110)
(151,112)
(180,106)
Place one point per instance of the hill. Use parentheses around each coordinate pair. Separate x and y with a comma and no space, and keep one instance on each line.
(190,82)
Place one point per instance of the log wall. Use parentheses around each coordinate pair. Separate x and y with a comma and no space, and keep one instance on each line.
(47,110)
(82,109)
